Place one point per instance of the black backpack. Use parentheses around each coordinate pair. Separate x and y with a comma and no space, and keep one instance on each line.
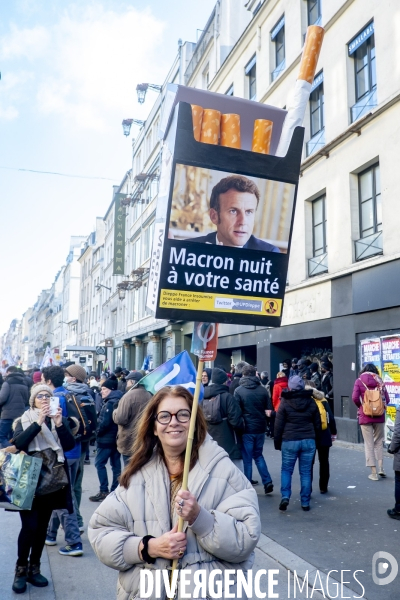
(83,408)
(212,409)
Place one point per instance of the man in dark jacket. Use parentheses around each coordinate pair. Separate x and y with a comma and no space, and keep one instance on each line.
(225,431)
(254,402)
(237,376)
(327,381)
(297,428)
(127,413)
(107,432)
(14,398)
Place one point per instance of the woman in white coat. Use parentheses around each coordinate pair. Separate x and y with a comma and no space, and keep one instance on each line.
(135,528)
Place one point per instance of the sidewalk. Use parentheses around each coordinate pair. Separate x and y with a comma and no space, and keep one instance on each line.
(342,531)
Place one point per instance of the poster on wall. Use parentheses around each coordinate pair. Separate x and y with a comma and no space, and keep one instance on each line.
(391,359)
(390,420)
(371,353)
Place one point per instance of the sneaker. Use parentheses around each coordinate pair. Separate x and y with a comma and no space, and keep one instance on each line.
(73,550)
(86,461)
(284,504)
(253,482)
(50,541)
(373,477)
(268,488)
(393,514)
(306,508)
(98,497)
(81,529)
(382,472)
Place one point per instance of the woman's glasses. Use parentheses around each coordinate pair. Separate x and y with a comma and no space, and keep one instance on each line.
(43,397)
(164,417)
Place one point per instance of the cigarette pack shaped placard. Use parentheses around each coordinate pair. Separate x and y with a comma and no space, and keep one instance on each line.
(224,214)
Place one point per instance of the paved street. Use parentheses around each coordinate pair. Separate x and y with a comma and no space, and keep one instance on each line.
(336,534)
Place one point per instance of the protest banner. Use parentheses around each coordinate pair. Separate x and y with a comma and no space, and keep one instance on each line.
(224,217)
(390,419)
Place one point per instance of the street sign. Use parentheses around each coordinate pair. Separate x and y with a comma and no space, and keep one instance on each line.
(100,350)
(109,343)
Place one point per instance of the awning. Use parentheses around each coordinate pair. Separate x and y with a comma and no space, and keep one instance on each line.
(80,349)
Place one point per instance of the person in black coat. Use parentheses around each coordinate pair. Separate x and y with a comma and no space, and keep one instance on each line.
(254,402)
(226,433)
(36,429)
(297,428)
(325,441)
(327,381)
(14,397)
(237,375)
(107,432)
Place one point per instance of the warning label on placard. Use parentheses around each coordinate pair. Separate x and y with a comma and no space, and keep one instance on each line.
(220,302)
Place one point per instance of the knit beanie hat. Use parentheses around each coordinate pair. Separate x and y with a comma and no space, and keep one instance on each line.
(296,383)
(77,372)
(111,383)
(218,376)
(36,389)
(37,376)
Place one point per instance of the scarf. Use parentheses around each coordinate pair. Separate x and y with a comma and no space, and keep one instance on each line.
(46,438)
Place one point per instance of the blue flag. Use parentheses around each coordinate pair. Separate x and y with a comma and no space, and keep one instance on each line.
(177,371)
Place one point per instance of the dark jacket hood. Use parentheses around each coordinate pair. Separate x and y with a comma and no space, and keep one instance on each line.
(250,382)
(17,377)
(215,388)
(114,396)
(299,399)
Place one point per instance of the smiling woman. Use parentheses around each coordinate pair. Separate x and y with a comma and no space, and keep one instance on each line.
(137,525)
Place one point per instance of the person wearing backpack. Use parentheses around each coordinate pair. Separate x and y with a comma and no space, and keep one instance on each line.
(107,432)
(53,377)
(82,405)
(223,416)
(372,427)
(328,434)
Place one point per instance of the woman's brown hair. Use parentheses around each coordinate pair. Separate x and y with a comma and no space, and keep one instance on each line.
(146,440)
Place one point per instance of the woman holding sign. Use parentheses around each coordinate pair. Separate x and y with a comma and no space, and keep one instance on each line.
(137,525)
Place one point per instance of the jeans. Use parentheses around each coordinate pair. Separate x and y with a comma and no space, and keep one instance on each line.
(33,534)
(304,450)
(102,456)
(78,481)
(252,448)
(69,522)
(5,432)
(397,490)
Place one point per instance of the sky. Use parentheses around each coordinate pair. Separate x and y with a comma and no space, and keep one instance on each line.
(69,71)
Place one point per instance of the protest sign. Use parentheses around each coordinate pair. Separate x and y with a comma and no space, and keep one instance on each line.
(391,358)
(224,219)
(205,341)
(371,353)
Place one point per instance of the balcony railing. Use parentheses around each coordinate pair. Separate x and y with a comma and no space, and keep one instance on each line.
(281,67)
(369,246)
(364,105)
(318,265)
(316,142)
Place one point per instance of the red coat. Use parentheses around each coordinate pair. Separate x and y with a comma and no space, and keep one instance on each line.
(358,394)
(279,384)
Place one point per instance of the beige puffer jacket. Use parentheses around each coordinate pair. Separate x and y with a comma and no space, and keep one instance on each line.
(223,536)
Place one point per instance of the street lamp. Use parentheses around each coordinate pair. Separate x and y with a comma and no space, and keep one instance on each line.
(142,88)
(127,124)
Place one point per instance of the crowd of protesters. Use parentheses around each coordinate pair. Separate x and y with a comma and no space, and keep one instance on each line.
(124,421)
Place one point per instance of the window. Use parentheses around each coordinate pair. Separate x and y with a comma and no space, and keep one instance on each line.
(362,50)
(314,12)
(278,38)
(229,92)
(251,74)
(365,68)
(206,77)
(319,226)
(369,190)
(319,262)
(317,109)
